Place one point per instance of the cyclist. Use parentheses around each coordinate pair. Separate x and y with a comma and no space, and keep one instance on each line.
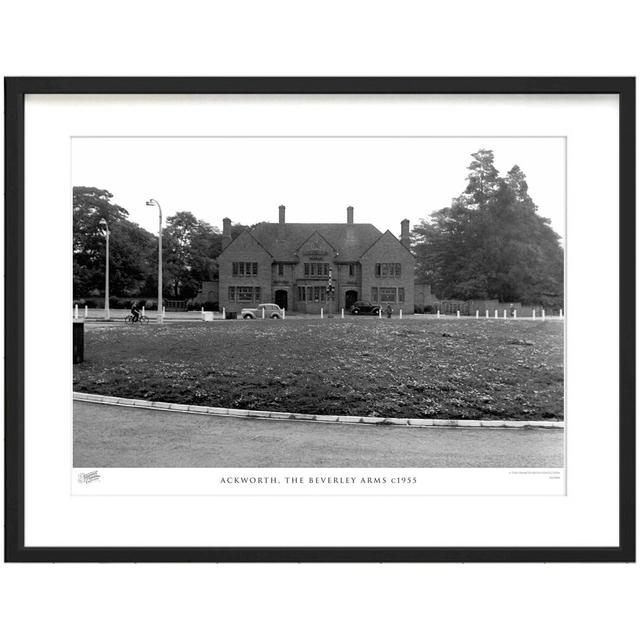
(135,312)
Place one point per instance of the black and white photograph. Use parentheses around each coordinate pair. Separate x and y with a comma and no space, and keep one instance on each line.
(316,302)
(296,326)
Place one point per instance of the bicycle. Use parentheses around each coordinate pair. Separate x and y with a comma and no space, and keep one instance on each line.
(141,319)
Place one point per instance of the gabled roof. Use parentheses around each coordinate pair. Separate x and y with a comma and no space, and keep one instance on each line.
(314,238)
(245,234)
(283,240)
(387,234)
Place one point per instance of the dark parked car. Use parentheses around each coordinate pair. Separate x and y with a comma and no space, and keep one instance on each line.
(364,307)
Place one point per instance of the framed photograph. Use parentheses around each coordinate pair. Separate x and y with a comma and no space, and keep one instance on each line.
(320,319)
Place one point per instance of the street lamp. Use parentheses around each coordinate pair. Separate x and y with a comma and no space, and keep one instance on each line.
(107,233)
(151,203)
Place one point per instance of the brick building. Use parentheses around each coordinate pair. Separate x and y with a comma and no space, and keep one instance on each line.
(289,264)
(424,299)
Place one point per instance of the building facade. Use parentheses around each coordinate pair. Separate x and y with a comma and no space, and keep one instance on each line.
(425,301)
(292,264)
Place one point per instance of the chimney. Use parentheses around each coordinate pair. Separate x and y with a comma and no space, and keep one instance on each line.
(349,215)
(226,233)
(281,214)
(404,234)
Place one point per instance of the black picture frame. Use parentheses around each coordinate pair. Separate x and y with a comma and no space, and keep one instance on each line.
(15,91)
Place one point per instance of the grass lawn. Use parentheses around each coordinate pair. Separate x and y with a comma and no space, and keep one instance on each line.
(417,367)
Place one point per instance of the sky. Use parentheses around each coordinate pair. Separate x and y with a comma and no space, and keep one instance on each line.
(384,179)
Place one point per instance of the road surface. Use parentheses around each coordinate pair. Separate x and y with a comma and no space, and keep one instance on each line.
(112,436)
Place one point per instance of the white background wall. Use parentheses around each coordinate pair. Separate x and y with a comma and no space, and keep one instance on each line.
(329,38)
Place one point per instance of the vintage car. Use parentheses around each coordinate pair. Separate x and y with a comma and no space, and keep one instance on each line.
(364,307)
(270,311)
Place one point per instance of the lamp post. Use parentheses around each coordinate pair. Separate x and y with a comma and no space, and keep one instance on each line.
(151,203)
(107,233)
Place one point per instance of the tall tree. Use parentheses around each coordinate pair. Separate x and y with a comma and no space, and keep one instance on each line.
(191,246)
(130,246)
(483,180)
(491,243)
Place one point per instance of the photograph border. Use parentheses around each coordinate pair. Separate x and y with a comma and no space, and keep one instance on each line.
(15,91)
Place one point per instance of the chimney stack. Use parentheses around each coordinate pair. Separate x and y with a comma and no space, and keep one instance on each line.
(404,234)
(281,214)
(226,233)
(349,215)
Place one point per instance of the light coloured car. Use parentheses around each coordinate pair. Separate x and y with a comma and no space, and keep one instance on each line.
(270,311)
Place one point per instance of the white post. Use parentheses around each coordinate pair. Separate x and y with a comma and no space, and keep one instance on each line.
(75,312)
(477,313)
(495,313)
(202,310)
(400,314)
(534,314)
(342,312)
(321,313)
(504,314)
(560,313)
(224,313)
(143,311)
(458,313)
(437,313)
(284,313)
(263,313)
(486,313)
(164,311)
(543,314)
(380,312)
(86,311)
(515,313)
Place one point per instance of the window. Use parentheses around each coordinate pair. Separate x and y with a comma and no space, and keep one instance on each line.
(316,269)
(374,294)
(280,269)
(387,294)
(245,294)
(316,294)
(388,270)
(302,294)
(241,269)
(400,294)
(352,270)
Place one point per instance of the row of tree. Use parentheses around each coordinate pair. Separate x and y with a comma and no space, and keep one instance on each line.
(190,247)
(490,243)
